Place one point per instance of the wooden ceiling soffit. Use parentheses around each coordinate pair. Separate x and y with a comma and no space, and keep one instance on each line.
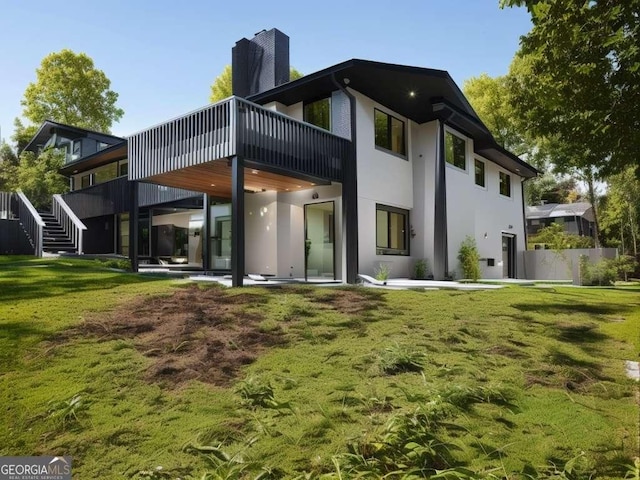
(214,178)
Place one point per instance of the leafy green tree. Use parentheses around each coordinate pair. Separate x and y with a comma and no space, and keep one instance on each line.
(556,238)
(8,164)
(222,85)
(490,98)
(620,212)
(38,177)
(576,79)
(69,89)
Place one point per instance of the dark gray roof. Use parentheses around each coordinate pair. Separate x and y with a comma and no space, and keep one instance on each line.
(420,94)
(49,127)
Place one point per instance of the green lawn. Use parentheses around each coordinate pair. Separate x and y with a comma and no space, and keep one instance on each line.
(509,383)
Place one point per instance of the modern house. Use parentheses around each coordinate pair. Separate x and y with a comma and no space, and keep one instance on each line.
(357,165)
(576,218)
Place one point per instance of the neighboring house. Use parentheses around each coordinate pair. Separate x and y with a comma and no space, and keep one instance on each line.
(577,218)
(357,165)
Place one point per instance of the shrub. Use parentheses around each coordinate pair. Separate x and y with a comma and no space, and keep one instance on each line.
(382,272)
(469,259)
(601,273)
(117,263)
(624,265)
(555,237)
(420,269)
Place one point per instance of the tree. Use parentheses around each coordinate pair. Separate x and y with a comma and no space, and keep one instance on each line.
(490,98)
(8,164)
(576,79)
(38,177)
(620,215)
(69,89)
(222,85)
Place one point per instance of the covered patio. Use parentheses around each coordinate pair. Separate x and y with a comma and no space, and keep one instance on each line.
(235,147)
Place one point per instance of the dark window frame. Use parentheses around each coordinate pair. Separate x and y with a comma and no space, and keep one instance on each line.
(507,181)
(388,147)
(386,250)
(477,161)
(305,112)
(91,179)
(455,136)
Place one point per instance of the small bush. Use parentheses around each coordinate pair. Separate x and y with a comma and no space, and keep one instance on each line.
(420,269)
(601,273)
(469,259)
(117,263)
(382,272)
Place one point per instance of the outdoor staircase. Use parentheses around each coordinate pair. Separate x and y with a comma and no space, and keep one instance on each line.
(54,238)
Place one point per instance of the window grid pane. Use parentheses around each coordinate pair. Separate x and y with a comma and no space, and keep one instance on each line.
(389,133)
(455,150)
(392,231)
(318,113)
(480,179)
(505,184)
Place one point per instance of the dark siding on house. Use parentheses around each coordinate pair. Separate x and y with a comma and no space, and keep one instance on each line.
(13,240)
(100,235)
(114,197)
(238,127)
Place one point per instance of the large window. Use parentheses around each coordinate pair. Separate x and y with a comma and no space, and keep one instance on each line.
(455,149)
(505,184)
(480,177)
(389,133)
(392,231)
(318,113)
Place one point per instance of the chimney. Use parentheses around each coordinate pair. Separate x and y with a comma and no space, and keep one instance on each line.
(261,63)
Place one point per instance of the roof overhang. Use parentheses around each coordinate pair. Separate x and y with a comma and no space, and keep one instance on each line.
(49,128)
(108,155)
(419,94)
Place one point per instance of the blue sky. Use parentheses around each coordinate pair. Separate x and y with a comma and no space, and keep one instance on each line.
(162,56)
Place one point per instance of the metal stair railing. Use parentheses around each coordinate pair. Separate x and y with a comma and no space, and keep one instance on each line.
(5,205)
(31,222)
(72,225)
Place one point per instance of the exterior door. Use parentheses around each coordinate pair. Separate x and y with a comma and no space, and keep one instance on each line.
(319,237)
(508,256)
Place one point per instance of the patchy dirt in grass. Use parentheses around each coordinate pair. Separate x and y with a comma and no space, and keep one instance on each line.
(206,334)
(346,301)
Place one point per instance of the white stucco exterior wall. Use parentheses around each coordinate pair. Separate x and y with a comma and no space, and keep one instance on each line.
(274,229)
(383,177)
(482,213)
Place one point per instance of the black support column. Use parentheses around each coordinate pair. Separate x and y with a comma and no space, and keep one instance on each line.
(237,221)
(205,234)
(440,249)
(133,226)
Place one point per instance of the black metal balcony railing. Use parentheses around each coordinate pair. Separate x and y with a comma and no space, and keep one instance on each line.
(237,127)
(114,197)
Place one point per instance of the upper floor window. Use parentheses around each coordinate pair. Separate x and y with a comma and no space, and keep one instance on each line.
(389,132)
(392,231)
(455,150)
(77,150)
(479,170)
(505,184)
(102,146)
(318,113)
(123,169)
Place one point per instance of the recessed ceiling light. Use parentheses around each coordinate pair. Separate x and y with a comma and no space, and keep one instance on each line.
(255,172)
(213,184)
(412,93)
